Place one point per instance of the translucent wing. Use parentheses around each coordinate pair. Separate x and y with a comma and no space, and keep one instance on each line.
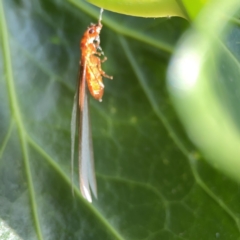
(86,164)
(85,156)
(73,133)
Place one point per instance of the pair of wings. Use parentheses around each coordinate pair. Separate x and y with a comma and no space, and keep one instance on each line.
(87,179)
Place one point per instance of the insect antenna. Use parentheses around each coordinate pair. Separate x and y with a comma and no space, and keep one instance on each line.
(100,16)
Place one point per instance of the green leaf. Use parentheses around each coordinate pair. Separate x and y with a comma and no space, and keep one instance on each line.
(192,8)
(204,82)
(150,182)
(158,8)
(145,8)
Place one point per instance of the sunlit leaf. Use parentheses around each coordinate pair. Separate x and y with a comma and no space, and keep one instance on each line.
(158,8)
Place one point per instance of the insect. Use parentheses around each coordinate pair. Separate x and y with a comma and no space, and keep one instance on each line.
(90,74)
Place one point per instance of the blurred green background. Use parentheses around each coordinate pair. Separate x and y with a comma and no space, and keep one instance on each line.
(158,178)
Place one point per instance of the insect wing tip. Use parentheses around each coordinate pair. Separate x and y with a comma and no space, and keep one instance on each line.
(86,193)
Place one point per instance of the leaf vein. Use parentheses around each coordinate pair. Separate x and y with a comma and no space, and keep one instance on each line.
(173,135)
(54,165)
(16,114)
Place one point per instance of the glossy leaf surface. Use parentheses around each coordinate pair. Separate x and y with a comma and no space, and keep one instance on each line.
(150,184)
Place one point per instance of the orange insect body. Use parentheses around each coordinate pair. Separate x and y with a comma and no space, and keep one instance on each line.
(91,62)
(90,74)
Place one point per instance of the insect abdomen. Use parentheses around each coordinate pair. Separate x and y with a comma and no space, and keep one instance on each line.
(94,81)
